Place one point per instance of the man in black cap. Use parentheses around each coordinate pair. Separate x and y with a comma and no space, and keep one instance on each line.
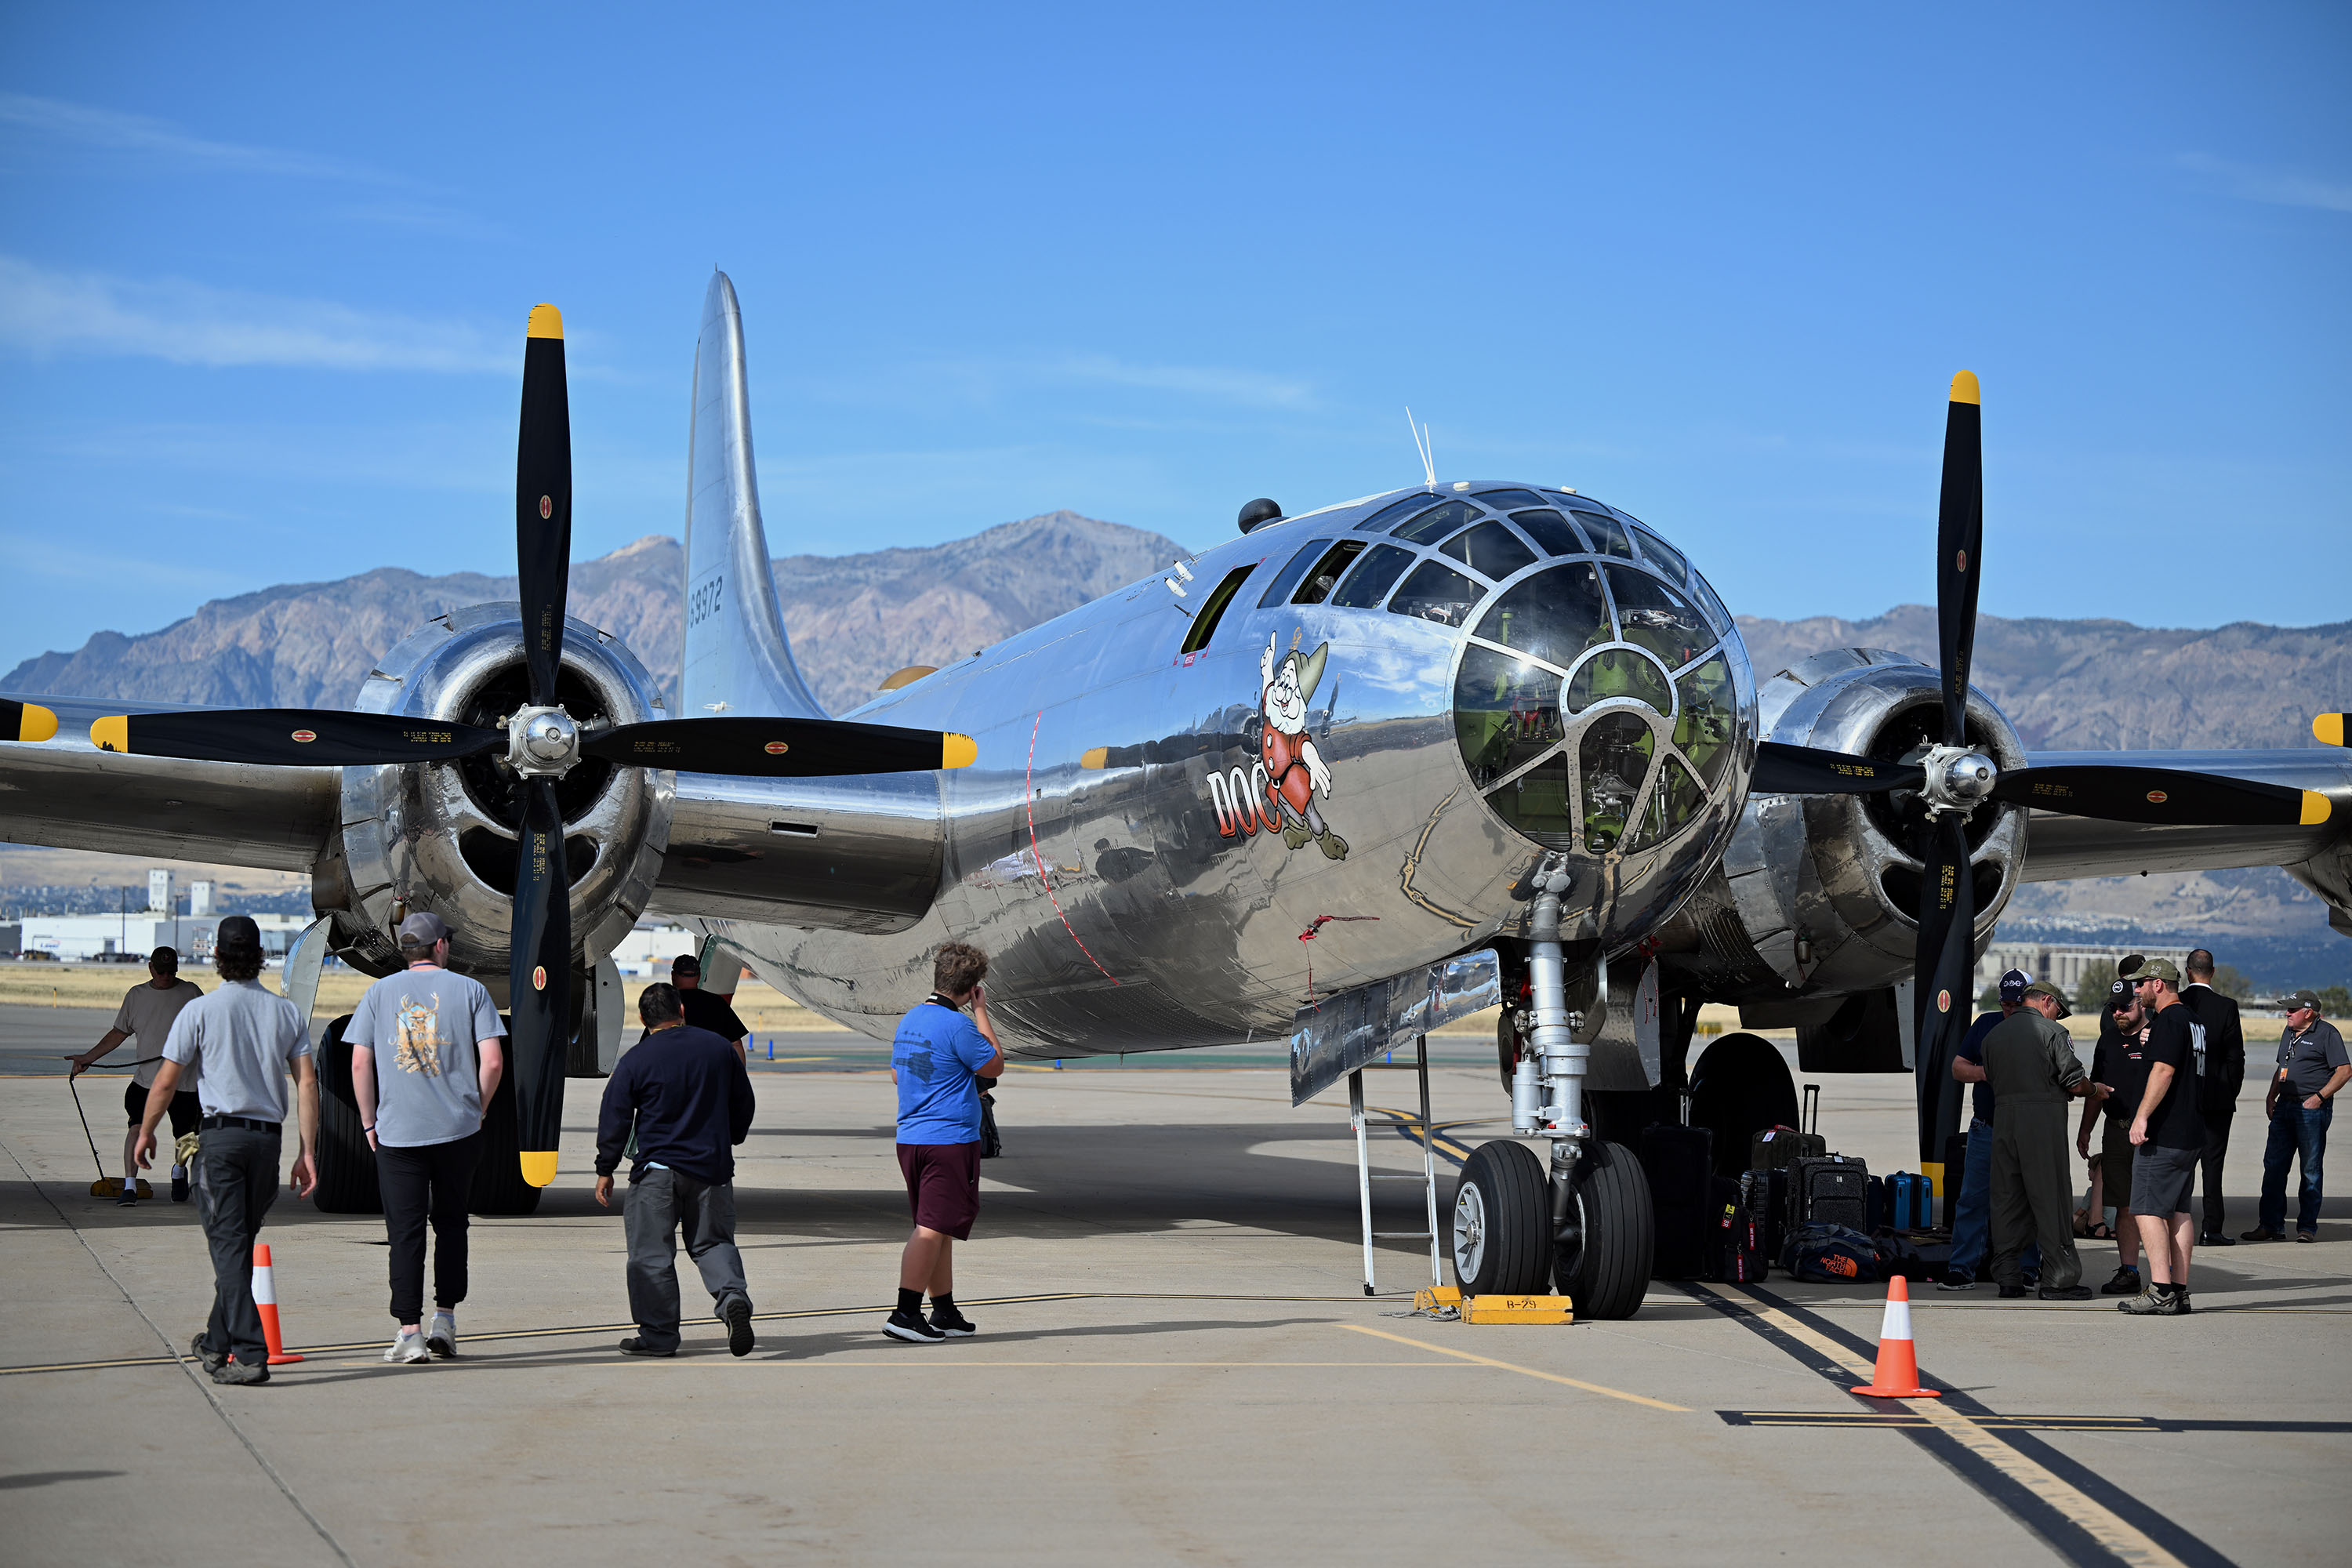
(443,1049)
(706,1010)
(2118,1079)
(146,1016)
(2168,1133)
(242,1040)
(2030,1063)
(2224,1072)
(2313,1069)
(1972,1213)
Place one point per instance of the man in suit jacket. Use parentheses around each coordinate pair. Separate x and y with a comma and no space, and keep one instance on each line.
(2225,1071)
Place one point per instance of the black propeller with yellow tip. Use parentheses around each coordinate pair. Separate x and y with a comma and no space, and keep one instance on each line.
(1952,781)
(538,746)
(26,720)
(2330,728)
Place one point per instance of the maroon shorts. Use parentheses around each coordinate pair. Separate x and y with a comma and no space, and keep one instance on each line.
(943,1185)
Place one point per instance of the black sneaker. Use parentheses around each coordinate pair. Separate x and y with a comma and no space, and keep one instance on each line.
(633,1345)
(180,1188)
(1955,1282)
(2260,1233)
(736,1316)
(2217,1239)
(2125,1283)
(2011,1292)
(128,1196)
(208,1358)
(240,1373)
(2065,1293)
(954,1323)
(912,1328)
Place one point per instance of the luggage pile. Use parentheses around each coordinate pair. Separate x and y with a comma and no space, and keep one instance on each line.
(1817,1215)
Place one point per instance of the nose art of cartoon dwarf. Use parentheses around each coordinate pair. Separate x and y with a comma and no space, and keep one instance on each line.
(1294,768)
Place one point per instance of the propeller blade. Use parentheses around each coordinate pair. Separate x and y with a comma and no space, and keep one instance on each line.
(2166,796)
(2330,728)
(1807,770)
(1959,544)
(1941,995)
(780,748)
(291,736)
(543,500)
(539,981)
(26,720)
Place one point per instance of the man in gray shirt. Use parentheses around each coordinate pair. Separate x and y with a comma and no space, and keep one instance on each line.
(244,1040)
(146,1016)
(422,1110)
(2313,1069)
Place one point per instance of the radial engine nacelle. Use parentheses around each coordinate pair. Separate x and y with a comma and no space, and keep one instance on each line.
(443,835)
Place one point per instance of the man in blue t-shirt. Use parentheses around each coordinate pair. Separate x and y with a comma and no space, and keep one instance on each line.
(938,1060)
(1972,1216)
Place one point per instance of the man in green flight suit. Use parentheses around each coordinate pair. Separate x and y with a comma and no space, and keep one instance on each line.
(2031,1069)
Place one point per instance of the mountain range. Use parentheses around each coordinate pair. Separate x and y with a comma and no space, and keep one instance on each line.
(2091,684)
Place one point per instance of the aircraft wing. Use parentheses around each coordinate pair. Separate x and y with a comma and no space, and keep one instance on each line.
(66,793)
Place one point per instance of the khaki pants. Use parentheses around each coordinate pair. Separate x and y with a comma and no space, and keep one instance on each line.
(2032,1192)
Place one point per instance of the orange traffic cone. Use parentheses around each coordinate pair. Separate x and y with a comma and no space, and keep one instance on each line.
(1897,1376)
(265,1295)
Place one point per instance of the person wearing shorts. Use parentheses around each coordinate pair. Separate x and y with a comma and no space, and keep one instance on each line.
(2168,1135)
(938,1060)
(146,1017)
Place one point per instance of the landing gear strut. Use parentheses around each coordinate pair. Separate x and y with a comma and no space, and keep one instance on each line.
(1587,1223)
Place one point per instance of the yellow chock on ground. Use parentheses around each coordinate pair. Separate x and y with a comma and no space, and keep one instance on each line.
(1519,1310)
(1436,1295)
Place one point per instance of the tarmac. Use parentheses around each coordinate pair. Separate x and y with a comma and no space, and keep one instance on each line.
(1177,1363)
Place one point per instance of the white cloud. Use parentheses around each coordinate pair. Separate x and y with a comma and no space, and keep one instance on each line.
(2276,187)
(49,312)
(109,131)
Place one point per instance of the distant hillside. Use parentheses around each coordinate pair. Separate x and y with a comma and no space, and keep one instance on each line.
(2103,685)
(853,618)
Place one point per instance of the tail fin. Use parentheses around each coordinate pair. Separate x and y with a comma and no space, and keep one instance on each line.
(738,659)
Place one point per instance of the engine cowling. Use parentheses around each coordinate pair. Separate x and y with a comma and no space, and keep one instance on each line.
(442,837)
(1819,894)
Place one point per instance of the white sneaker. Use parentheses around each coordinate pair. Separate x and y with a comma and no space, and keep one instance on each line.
(407,1347)
(441,1335)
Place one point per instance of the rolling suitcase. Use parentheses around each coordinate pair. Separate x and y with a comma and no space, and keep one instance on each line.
(1765,1196)
(1679,1162)
(1832,1190)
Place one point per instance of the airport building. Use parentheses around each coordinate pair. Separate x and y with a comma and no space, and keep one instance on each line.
(85,938)
(2062,964)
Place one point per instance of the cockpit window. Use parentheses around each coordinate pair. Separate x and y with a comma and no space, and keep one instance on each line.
(1489,548)
(1388,516)
(1554,615)
(1436,593)
(1553,532)
(1506,717)
(1619,672)
(1370,582)
(1438,523)
(1204,623)
(1653,616)
(1504,501)
(1608,535)
(1321,581)
(1615,758)
(1293,569)
(1666,556)
(1706,725)
(1675,799)
(1715,610)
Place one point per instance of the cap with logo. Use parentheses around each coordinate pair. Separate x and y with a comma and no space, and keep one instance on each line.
(2120,992)
(2162,969)
(2307,998)
(422,930)
(2043,988)
(2013,984)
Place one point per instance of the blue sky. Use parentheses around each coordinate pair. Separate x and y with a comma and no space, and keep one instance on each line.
(264,273)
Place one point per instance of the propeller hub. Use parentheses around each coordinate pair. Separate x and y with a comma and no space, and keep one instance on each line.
(1957,779)
(543,742)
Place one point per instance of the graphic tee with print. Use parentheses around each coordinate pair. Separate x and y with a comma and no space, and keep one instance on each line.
(426,1026)
(146,1016)
(2176,1039)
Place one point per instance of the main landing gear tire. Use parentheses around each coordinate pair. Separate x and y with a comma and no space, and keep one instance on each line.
(1740,1087)
(1612,1269)
(346,1166)
(1502,1222)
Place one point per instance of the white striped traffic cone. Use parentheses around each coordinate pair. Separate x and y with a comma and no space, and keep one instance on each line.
(1897,1376)
(265,1295)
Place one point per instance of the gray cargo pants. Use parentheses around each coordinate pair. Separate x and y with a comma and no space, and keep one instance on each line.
(659,1203)
(236,1181)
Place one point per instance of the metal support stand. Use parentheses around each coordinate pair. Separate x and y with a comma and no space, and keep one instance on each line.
(1366,1177)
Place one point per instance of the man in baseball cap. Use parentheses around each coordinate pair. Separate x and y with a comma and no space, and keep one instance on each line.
(2168,1135)
(2030,1063)
(1972,1216)
(706,1009)
(421,1107)
(2313,1069)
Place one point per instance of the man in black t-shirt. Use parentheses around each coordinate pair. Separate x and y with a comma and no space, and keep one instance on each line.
(2168,1133)
(2118,1078)
(706,1009)
(2224,1073)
